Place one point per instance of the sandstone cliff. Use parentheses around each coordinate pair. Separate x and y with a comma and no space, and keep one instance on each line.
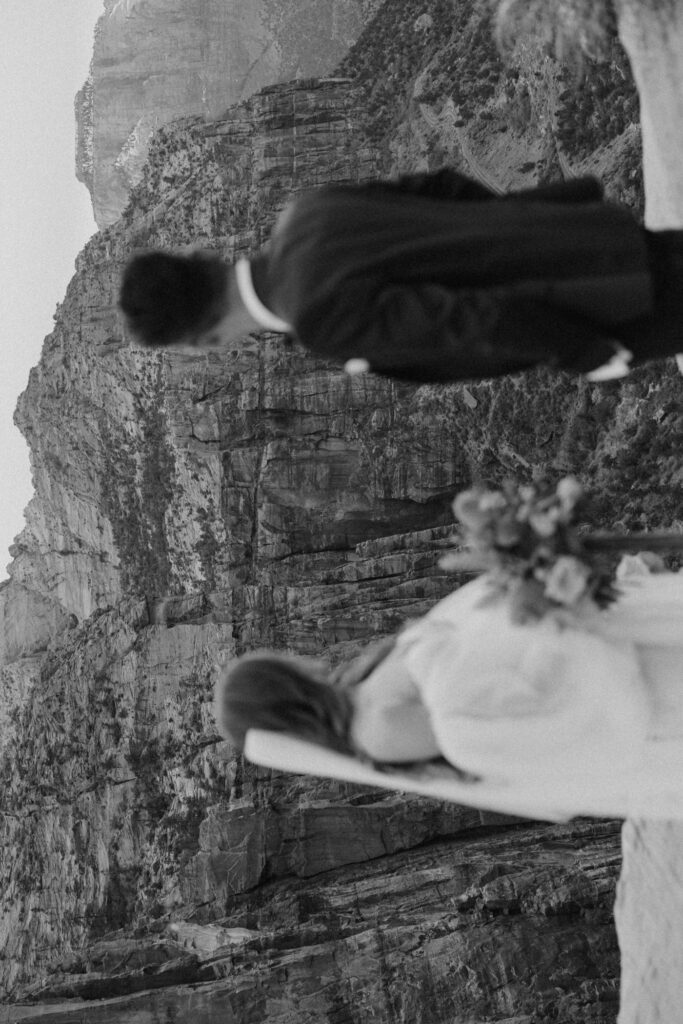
(158,60)
(189,510)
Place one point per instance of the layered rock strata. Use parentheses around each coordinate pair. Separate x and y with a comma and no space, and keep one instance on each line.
(158,60)
(233,501)
(188,510)
(490,926)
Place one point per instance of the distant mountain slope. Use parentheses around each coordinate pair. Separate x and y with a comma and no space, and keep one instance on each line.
(157,60)
(436,90)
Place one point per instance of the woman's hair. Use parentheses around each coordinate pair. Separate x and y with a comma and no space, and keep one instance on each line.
(168,298)
(275,692)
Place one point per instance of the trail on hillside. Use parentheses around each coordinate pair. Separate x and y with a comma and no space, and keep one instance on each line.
(447,121)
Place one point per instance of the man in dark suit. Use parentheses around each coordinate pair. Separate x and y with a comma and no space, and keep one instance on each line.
(432,278)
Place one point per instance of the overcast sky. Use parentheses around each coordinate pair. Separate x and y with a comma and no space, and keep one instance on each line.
(45,214)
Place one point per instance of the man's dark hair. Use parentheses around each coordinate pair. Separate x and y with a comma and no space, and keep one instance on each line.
(168,298)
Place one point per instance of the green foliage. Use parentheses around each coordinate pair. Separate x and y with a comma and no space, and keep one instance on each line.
(455,47)
(635,468)
(598,106)
(144,755)
(469,66)
(622,442)
(456,57)
(390,53)
(182,826)
(63,758)
(137,488)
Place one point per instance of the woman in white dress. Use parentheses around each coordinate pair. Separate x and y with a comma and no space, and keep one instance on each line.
(577,716)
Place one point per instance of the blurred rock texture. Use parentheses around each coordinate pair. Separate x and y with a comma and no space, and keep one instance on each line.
(188,510)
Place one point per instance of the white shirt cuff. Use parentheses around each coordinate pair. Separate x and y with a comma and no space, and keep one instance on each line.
(356,366)
(616,367)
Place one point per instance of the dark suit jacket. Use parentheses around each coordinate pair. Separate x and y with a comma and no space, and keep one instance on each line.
(432,278)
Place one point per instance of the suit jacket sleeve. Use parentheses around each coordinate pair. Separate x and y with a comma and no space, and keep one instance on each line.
(428,333)
(443,184)
(449,184)
(576,190)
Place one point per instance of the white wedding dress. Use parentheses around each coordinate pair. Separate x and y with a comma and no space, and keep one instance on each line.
(588,718)
(554,722)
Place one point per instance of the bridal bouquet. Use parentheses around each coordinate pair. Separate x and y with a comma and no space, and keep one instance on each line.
(528,539)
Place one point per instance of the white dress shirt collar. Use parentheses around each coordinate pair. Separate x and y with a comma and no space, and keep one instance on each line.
(253,304)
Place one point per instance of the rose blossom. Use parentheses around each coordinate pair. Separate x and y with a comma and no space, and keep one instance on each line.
(566,581)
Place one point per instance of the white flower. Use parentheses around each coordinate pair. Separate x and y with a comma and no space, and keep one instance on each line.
(493,501)
(642,564)
(569,491)
(466,508)
(507,530)
(566,581)
(544,523)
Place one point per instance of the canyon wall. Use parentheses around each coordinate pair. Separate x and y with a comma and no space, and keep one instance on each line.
(187,510)
(158,60)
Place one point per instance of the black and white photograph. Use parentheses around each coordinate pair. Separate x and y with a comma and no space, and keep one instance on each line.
(341,530)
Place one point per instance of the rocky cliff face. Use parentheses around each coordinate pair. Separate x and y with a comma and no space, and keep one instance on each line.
(179,485)
(158,60)
(186,511)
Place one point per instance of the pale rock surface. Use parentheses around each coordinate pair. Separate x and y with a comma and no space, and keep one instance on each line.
(27,621)
(209,938)
(653,39)
(649,907)
(158,60)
